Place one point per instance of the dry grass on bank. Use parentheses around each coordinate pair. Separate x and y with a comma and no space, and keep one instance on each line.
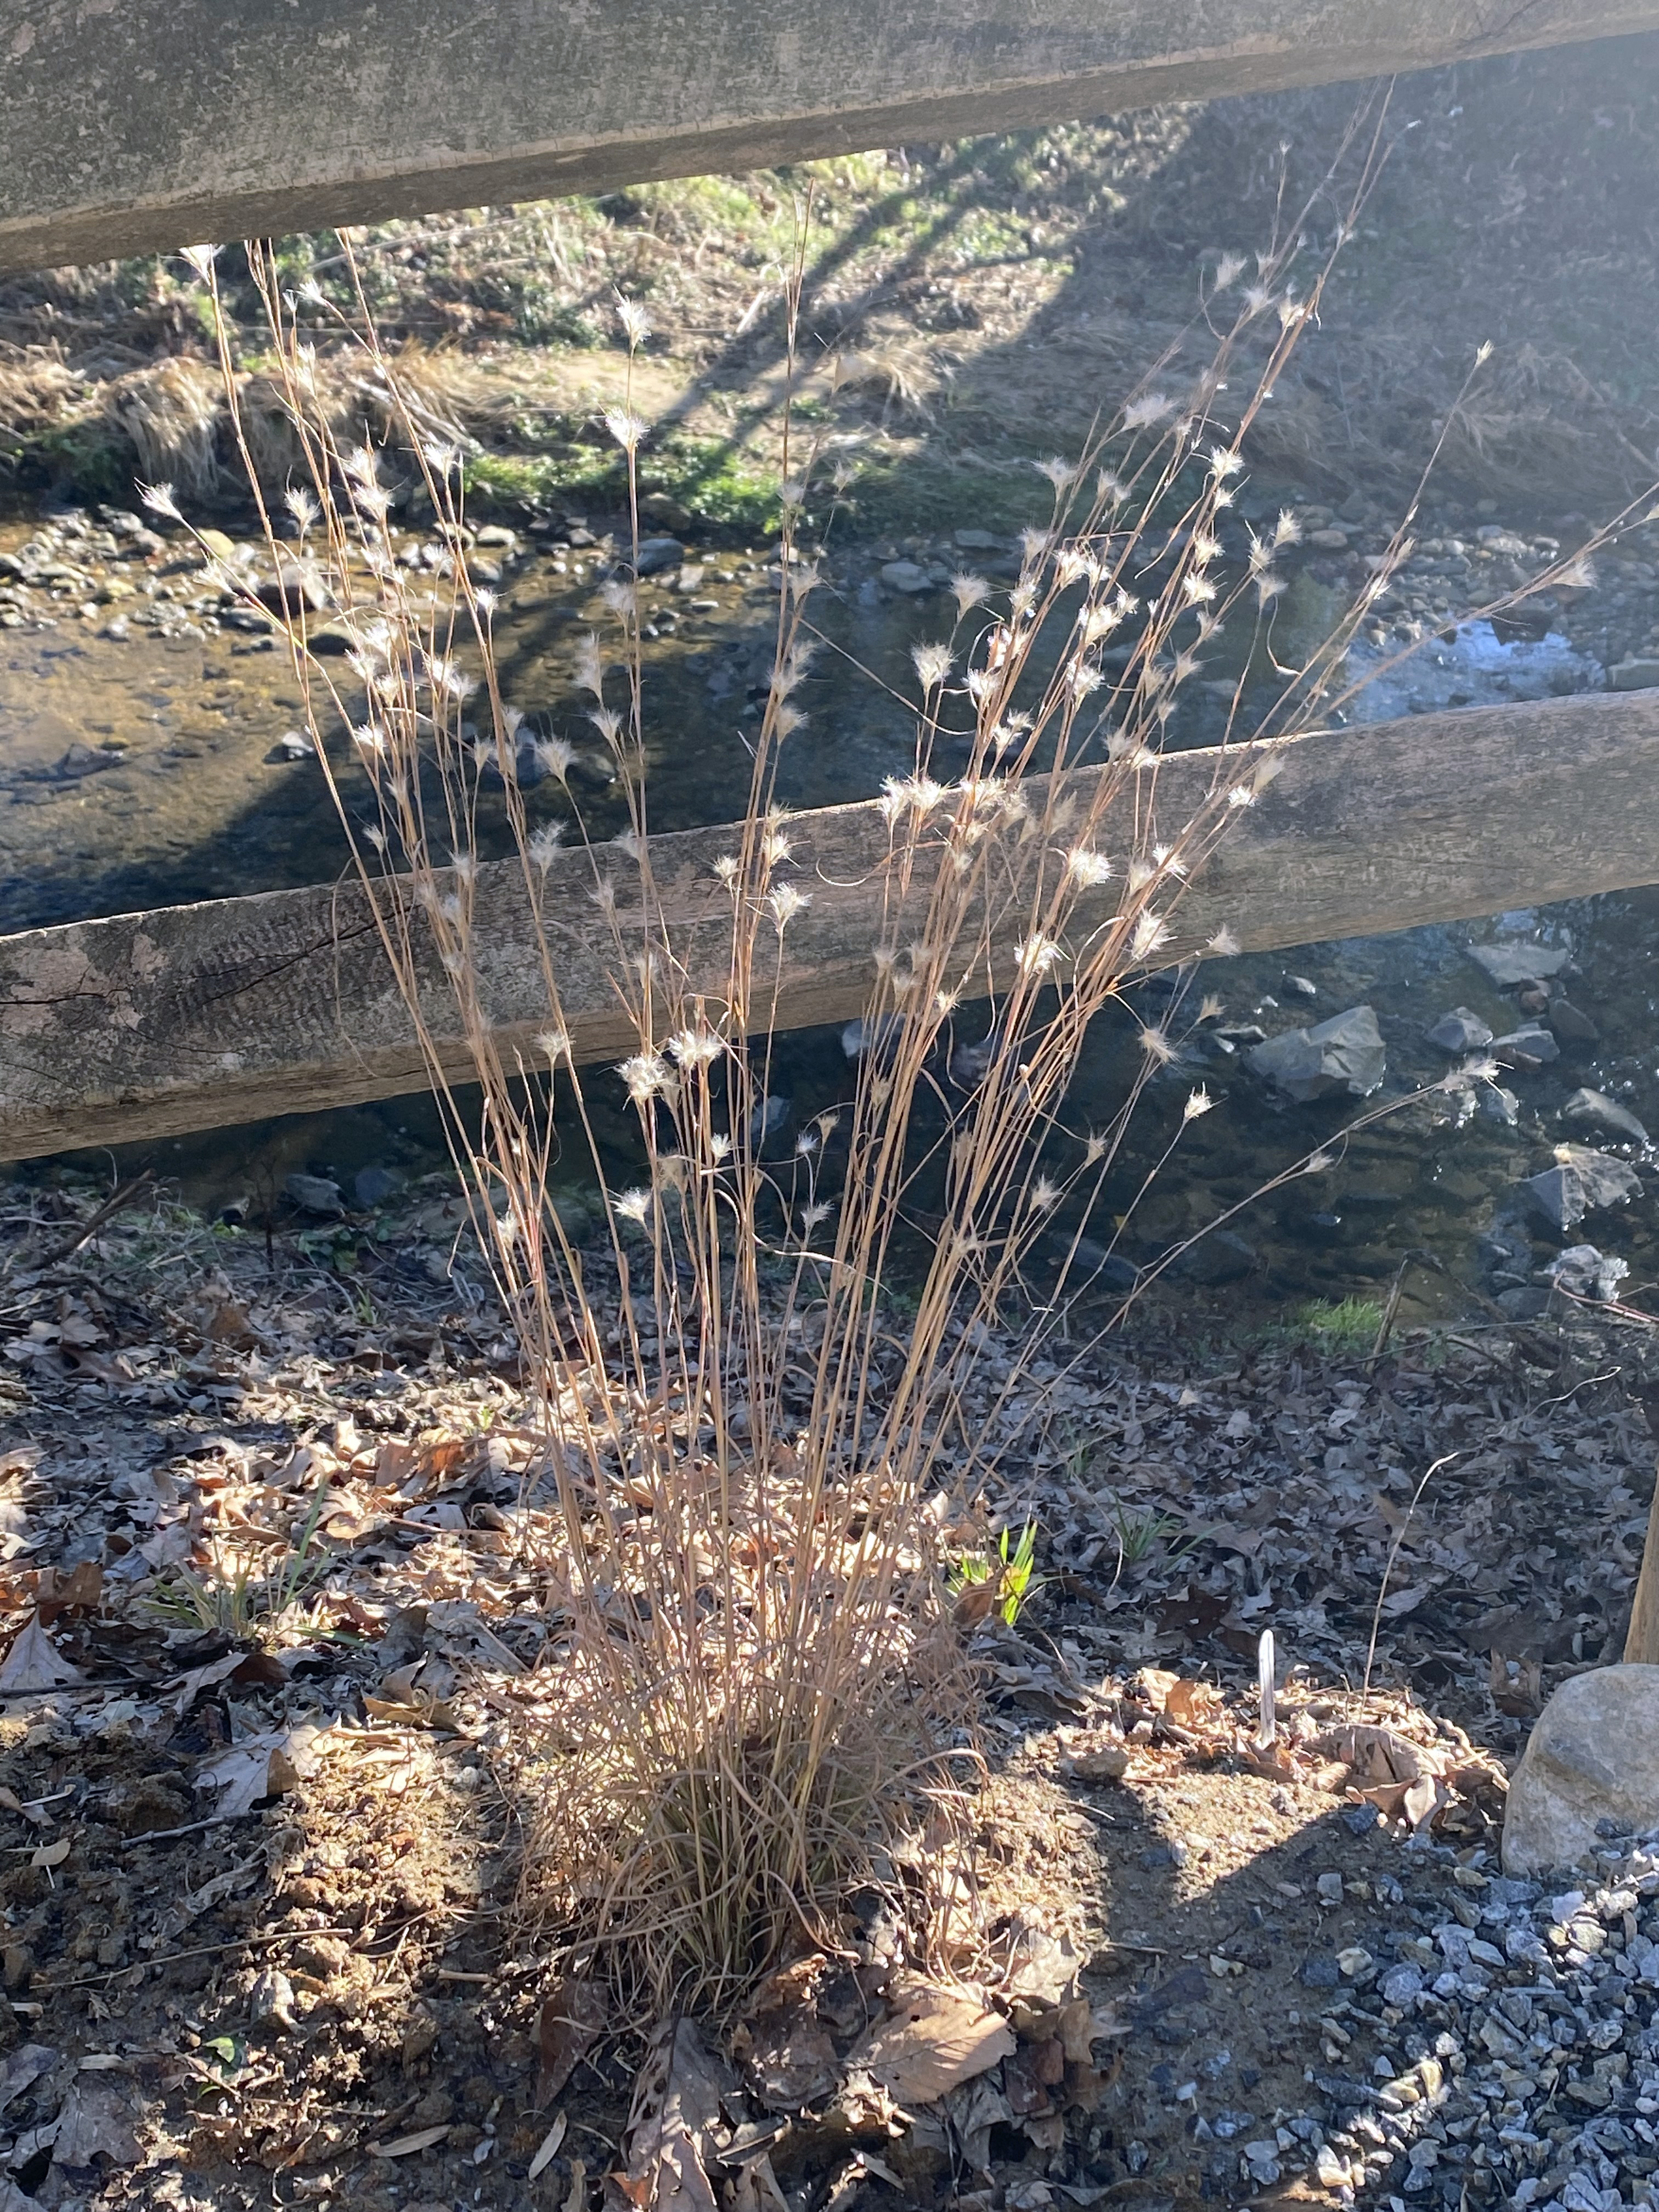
(757,1480)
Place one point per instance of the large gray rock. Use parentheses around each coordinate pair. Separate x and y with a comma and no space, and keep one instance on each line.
(1588,1271)
(1580,1180)
(1345,1053)
(1460,1031)
(1506,965)
(657,553)
(314,1194)
(1606,1114)
(1594,1755)
(1530,1047)
(906,576)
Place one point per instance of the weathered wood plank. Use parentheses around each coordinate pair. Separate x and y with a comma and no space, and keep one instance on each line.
(192,1016)
(133,125)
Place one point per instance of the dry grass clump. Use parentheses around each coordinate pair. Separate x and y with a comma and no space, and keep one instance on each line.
(36,389)
(170,414)
(759,1462)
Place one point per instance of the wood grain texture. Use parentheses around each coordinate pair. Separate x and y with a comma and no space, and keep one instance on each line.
(192,1016)
(130,127)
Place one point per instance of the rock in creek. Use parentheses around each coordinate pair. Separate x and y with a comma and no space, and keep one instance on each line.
(657,554)
(906,576)
(766,1117)
(295,586)
(1345,1053)
(1570,1026)
(1219,1258)
(314,1194)
(1587,1273)
(1460,1031)
(1580,1180)
(1601,1112)
(1506,965)
(1593,1756)
(1529,1048)
(879,1033)
(1090,1267)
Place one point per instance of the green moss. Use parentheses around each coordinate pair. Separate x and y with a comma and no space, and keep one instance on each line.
(723,491)
(1350,1325)
(86,457)
(927,494)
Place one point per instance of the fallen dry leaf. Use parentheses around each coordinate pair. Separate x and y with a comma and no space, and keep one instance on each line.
(1101,1762)
(935,2039)
(792,2062)
(97,2119)
(1193,1703)
(25,2066)
(78,1591)
(263,1765)
(549,2150)
(406,2145)
(975,1604)
(1040,1965)
(35,1663)
(676,2104)
(572,2015)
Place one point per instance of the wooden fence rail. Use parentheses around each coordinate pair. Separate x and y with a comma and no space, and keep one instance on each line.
(187,1017)
(130,127)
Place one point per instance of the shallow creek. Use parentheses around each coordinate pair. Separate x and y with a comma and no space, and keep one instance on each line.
(149,755)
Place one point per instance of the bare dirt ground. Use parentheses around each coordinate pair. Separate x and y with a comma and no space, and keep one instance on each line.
(278,1664)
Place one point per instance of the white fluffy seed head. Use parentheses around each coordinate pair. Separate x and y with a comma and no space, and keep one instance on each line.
(636,324)
(1151,407)
(1035,956)
(695,1048)
(590,671)
(647,1075)
(556,756)
(1150,934)
(1087,868)
(933,665)
(627,429)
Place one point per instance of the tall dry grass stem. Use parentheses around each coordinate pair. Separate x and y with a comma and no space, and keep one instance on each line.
(757,1451)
